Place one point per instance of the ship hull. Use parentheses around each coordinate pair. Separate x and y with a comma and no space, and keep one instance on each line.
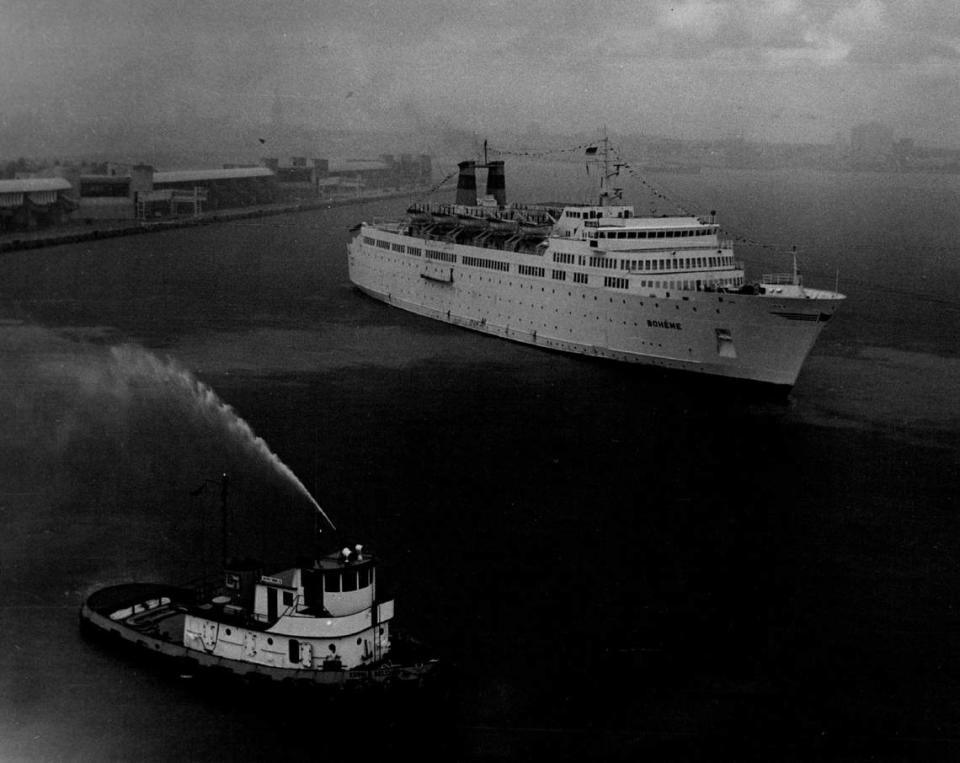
(104,617)
(756,338)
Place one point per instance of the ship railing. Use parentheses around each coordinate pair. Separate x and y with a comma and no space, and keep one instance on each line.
(778,278)
(205,587)
(298,605)
(294,607)
(386,223)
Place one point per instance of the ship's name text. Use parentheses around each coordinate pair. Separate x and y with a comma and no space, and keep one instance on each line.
(664,325)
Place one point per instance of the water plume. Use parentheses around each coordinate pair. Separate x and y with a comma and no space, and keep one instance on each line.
(131,362)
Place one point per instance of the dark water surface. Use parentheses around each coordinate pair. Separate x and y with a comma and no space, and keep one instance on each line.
(611,562)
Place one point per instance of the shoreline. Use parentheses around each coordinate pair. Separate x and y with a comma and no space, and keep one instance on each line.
(20,240)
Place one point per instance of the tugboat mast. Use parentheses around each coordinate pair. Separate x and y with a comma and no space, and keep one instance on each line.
(224,487)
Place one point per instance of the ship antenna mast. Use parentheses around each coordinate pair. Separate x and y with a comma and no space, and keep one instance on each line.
(607,174)
(797,281)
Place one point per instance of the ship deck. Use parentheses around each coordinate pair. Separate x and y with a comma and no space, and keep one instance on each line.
(151,609)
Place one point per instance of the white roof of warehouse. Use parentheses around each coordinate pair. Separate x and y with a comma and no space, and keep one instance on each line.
(30,185)
(356,165)
(186,176)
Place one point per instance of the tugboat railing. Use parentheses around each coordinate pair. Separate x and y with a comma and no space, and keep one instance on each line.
(205,587)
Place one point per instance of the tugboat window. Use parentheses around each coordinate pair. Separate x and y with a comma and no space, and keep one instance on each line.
(364,577)
(331,581)
(294,648)
(350,580)
(287,598)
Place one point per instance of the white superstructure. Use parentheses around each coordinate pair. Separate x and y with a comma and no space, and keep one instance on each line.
(592,279)
(306,617)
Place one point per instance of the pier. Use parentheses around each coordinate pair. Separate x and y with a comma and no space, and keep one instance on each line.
(101,229)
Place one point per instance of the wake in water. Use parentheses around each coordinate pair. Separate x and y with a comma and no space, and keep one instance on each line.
(132,362)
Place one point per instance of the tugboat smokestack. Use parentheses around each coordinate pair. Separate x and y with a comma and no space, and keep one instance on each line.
(467,184)
(496,182)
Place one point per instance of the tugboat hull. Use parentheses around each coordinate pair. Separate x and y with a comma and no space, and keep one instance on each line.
(147,619)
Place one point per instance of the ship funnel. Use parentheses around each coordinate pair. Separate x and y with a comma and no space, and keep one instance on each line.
(467,184)
(496,183)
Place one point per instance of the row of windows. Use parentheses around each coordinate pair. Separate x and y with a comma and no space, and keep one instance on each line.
(616,283)
(686,284)
(480,262)
(591,214)
(597,262)
(603,262)
(335,581)
(681,263)
(530,270)
(655,233)
(416,251)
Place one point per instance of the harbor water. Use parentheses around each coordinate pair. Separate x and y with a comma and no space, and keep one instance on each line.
(610,562)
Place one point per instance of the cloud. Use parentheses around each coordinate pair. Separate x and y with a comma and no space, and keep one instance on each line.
(483,65)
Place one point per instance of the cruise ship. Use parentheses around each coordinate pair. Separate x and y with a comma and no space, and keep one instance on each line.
(592,279)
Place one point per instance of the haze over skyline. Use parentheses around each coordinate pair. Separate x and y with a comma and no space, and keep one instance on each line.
(776,70)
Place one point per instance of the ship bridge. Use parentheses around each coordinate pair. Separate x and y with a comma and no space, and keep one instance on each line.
(335,586)
(575,218)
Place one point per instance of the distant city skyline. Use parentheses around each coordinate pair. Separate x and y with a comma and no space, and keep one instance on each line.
(774,70)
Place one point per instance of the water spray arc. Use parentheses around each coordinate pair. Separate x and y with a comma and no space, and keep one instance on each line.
(132,361)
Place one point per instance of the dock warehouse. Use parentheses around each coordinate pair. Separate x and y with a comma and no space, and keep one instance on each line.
(34,202)
(223,188)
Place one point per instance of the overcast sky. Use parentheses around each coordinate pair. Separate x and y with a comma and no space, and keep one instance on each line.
(773,69)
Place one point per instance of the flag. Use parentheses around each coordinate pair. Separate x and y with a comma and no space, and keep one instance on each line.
(591,150)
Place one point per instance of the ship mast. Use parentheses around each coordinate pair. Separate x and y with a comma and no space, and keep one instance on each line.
(606,192)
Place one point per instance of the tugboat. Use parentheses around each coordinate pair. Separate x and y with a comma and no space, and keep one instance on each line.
(315,623)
